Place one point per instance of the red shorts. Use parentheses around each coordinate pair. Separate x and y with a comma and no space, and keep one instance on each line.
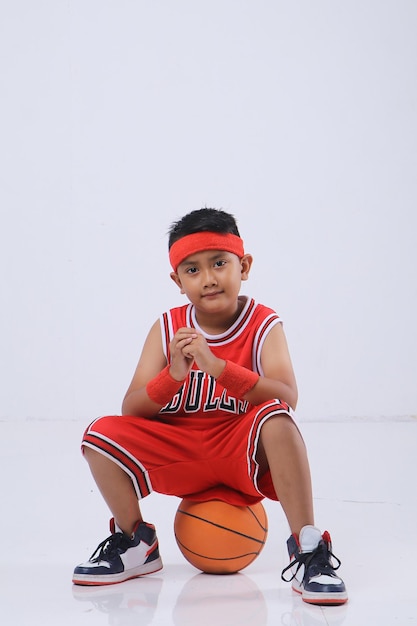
(190,457)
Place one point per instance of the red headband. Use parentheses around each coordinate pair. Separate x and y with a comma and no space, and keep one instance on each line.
(197,242)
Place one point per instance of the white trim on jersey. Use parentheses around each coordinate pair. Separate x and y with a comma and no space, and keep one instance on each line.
(258,344)
(229,334)
(165,345)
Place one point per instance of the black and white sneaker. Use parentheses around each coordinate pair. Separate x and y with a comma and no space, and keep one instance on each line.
(121,557)
(313,572)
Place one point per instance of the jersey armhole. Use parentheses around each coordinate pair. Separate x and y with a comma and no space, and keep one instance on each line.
(269,322)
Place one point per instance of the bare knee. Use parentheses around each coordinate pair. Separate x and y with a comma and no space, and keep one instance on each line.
(278,433)
(279,428)
(89,454)
(95,459)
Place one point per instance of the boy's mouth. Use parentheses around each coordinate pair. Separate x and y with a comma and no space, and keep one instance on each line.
(211,294)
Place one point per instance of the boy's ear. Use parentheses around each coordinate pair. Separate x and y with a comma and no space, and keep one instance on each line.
(174,276)
(245,264)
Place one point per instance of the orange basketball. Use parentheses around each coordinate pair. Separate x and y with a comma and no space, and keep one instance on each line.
(219,538)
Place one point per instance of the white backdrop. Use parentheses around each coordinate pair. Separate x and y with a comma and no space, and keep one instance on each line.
(119,116)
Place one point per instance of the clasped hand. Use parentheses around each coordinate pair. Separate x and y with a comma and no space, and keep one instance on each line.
(189,346)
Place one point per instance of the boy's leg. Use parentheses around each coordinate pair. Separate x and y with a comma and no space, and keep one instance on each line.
(132,548)
(283,451)
(129,458)
(117,490)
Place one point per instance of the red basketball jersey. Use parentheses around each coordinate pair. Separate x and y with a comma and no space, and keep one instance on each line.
(200,394)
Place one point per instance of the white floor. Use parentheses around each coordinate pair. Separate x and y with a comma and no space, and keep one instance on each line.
(52,518)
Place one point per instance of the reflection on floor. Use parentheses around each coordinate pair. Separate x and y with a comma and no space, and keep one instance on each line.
(53,518)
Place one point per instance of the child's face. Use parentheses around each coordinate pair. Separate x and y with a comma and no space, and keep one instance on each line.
(211,279)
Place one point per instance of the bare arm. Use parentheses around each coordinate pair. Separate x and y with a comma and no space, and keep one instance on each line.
(279,379)
(151,362)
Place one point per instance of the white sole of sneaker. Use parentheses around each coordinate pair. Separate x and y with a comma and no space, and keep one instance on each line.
(336,598)
(113,579)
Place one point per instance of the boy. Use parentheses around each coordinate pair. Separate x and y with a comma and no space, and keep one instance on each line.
(201,418)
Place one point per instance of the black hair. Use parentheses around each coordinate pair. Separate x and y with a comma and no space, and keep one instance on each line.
(203,220)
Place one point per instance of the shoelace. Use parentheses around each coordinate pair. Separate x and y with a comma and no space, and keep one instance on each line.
(107,548)
(322,565)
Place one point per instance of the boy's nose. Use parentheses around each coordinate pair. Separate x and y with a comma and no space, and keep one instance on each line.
(209,278)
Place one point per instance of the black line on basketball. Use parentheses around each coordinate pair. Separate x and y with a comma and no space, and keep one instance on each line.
(257,518)
(230,530)
(216,558)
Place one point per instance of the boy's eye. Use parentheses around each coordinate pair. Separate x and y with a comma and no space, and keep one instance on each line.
(194,270)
